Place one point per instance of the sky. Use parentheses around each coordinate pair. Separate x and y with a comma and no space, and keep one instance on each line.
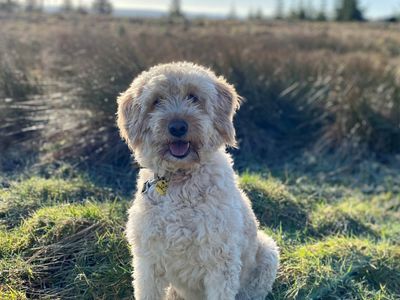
(372,8)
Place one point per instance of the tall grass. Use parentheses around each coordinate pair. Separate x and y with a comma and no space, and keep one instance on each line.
(320,88)
(19,112)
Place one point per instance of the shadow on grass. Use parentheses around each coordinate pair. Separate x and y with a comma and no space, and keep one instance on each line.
(273,205)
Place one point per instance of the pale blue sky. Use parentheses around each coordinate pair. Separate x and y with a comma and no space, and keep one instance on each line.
(372,8)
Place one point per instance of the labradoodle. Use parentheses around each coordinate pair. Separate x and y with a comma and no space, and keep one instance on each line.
(192,231)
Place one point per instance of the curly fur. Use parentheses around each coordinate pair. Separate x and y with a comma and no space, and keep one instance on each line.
(200,240)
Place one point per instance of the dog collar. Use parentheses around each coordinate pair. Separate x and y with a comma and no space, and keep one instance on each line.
(161,185)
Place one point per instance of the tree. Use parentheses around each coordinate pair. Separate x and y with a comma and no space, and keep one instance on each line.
(33,5)
(348,10)
(232,15)
(102,7)
(259,15)
(309,11)
(250,15)
(301,13)
(279,10)
(322,12)
(81,9)
(67,6)
(175,10)
(8,5)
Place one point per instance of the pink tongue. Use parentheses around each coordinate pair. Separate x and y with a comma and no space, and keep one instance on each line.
(179,148)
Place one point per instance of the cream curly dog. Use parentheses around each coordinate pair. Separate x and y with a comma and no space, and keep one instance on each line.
(192,230)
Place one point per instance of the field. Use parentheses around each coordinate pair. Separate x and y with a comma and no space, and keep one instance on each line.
(319,149)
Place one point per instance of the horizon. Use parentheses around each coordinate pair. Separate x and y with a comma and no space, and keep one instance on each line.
(371,9)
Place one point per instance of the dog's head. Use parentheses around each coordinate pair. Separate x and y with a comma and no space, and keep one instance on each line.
(175,115)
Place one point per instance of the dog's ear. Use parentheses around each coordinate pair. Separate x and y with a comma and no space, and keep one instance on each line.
(128,116)
(227,104)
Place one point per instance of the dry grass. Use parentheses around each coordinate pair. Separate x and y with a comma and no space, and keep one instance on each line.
(322,101)
(322,88)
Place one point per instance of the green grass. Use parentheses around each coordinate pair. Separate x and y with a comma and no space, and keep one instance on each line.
(69,243)
(21,198)
(340,268)
(69,239)
(273,204)
(355,217)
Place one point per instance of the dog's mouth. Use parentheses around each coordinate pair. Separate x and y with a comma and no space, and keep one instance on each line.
(179,149)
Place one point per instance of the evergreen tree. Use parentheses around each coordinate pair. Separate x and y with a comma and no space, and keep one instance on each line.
(250,15)
(232,15)
(279,9)
(102,7)
(175,10)
(301,13)
(33,5)
(310,13)
(259,15)
(8,5)
(67,6)
(322,12)
(348,10)
(81,9)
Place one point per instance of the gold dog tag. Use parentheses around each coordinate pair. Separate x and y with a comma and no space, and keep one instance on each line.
(162,187)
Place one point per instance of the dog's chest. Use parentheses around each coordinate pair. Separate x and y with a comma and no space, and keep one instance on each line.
(180,231)
(180,240)
(178,226)
(179,217)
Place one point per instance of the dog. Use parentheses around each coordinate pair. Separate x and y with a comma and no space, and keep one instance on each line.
(192,231)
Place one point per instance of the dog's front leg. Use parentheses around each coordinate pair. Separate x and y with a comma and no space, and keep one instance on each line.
(222,282)
(148,281)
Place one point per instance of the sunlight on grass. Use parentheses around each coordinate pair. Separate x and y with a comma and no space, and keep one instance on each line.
(21,198)
(68,249)
(355,217)
(340,266)
(322,111)
(67,246)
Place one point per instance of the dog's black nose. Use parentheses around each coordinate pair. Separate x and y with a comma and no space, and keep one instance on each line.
(178,128)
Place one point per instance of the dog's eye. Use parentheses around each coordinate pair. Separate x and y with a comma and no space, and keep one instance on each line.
(193,98)
(156,102)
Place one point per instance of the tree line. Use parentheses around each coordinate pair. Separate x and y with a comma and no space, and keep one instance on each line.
(104,7)
(346,10)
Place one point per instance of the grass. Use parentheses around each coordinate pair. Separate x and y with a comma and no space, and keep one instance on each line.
(19,60)
(340,268)
(20,199)
(322,110)
(64,249)
(272,203)
(71,242)
(293,103)
(329,89)
(355,217)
